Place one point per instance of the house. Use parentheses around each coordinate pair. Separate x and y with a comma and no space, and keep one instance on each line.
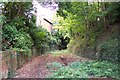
(47,25)
(42,20)
(44,14)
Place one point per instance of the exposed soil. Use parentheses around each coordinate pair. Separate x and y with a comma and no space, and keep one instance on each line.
(36,67)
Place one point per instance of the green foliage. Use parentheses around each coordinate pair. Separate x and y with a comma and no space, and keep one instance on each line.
(19,29)
(79,22)
(23,34)
(8,34)
(59,52)
(109,50)
(113,7)
(41,38)
(87,69)
(15,24)
(84,24)
(23,41)
(20,23)
(14,9)
(54,65)
(12,38)
(67,72)
(59,40)
(98,69)
(2,19)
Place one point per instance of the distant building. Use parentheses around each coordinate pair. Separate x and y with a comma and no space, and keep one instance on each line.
(42,19)
(44,14)
(47,25)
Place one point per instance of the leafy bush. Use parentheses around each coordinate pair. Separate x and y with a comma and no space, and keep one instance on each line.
(22,33)
(86,69)
(41,38)
(8,34)
(59,40)
(12,38)
(23,41)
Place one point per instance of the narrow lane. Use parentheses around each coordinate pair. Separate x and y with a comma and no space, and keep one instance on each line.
(36,68)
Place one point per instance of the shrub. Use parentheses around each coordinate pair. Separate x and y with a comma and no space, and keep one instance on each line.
(12,38)
(23,41)
(41,38)
(8,36)
(59,40)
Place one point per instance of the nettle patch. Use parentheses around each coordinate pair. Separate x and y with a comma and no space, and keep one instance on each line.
(54,65)
(83,70)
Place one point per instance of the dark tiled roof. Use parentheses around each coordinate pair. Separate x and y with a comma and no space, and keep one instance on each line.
(48,21)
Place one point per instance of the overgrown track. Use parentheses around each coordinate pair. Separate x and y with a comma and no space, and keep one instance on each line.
(36,68)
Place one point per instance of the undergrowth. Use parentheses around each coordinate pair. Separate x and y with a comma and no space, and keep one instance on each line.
(109,50)
(84,70)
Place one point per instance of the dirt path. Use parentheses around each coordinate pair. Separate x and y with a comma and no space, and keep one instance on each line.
(36,68)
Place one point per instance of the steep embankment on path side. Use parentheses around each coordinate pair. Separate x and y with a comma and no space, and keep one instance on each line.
(105,47)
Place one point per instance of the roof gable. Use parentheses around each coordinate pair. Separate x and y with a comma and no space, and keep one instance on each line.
(48,21)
